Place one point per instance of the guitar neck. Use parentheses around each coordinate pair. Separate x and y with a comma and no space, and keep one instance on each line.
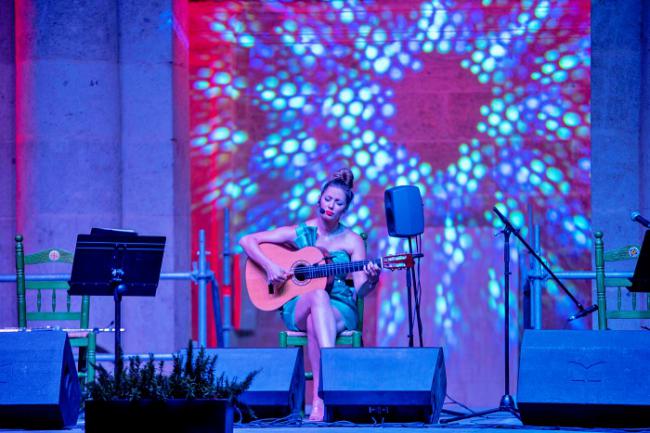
(333,269)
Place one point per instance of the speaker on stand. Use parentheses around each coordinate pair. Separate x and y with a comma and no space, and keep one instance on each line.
(405,219)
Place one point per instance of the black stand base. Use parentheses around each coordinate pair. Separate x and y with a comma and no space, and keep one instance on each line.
(451,412)
(507,404)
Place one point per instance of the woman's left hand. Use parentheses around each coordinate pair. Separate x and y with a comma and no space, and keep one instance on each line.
(372,272)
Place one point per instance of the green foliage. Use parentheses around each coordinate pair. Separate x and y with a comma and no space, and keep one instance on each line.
(192,377)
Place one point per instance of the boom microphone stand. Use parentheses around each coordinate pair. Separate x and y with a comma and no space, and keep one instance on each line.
(582,311)
(507,403)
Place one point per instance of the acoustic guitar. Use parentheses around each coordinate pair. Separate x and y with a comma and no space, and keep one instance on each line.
(311,269)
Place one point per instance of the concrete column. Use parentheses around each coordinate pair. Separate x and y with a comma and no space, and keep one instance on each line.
(68,152)
(7,162)
(616,83)
(155,162)
(620,127)
(644,142)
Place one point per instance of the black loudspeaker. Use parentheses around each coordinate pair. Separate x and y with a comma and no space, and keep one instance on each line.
(404,211)
(278,390)
(383,384)
(39,387)
(585,378)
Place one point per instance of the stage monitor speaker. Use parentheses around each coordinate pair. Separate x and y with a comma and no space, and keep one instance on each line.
(404,211)
(383,384)
(278,390)
(39,387)
(585,378)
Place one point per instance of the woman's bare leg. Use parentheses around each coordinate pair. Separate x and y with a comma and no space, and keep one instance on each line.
(315,314)
(317,304)
(313,351)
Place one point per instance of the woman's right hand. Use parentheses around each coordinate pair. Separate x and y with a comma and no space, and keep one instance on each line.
(276,275)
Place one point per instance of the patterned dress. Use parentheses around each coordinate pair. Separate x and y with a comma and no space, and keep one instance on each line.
(341,295)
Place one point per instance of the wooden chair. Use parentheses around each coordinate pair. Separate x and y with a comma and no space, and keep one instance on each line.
(85,341)
(345,338)
(623,295)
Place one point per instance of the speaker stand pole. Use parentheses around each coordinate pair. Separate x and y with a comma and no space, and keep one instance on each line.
(507,403)
(416,297)
(410,304)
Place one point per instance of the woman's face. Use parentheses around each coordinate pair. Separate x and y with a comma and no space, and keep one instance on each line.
(333,203)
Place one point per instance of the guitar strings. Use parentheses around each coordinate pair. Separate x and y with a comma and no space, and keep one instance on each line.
(315,270)
(334,266)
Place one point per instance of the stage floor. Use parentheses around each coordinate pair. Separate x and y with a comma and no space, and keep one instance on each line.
(495,423)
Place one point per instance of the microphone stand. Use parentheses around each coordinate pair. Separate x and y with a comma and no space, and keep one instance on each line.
(582,311)
(507,403)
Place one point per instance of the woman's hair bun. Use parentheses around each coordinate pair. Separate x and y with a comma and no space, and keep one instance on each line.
(345,176)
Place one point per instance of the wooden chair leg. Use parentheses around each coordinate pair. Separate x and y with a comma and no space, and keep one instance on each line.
(283,339)
(356,340)
(91,358)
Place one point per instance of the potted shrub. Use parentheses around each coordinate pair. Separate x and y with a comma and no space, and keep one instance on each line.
(192,398)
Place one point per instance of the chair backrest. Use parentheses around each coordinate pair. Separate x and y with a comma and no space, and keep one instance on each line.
(359,313)
(605,312)
(39,312)
(360,303)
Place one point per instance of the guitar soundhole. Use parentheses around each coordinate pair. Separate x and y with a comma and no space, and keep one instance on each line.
(300,273)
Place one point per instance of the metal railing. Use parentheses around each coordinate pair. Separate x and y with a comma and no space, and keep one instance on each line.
(537,279)
(201,274)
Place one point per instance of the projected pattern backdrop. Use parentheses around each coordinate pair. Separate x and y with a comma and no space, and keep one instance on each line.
(477,104)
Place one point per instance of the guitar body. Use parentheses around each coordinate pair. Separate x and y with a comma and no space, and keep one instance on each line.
(256,279)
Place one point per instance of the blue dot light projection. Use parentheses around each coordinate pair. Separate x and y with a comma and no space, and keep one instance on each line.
(477,103)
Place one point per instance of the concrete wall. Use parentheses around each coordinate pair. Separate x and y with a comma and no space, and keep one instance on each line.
(7,160)
(67,125)
(644,140)
(155,162)
(620,88)
(618,81)
(101,141)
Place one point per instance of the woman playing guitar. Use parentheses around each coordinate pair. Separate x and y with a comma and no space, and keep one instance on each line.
(320,313)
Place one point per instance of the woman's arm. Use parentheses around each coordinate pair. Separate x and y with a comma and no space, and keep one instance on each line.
(366,281)
(251,245)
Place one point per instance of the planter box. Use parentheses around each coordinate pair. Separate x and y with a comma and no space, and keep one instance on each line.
(180,416)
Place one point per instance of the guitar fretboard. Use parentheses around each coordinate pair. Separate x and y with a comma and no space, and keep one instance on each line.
(332,269)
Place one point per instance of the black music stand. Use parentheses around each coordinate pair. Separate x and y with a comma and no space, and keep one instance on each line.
(116,263)
(641,276)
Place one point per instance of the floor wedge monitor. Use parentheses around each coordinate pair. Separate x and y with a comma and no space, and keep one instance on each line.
(370,385)
(585,378)
(39,386)
(278,390)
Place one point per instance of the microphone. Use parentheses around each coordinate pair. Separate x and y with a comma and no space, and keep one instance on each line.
(584,312)
(321,210)
(636,217)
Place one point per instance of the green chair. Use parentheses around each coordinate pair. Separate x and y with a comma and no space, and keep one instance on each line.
(84,340)
(345,338)
(623,296)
